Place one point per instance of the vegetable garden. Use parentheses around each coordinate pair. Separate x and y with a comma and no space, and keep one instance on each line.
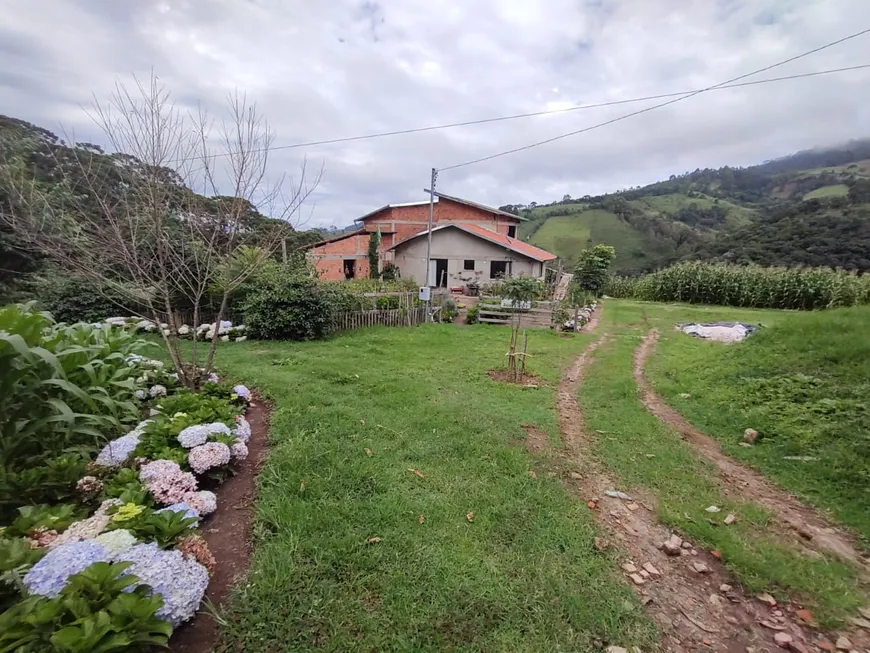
(108,467)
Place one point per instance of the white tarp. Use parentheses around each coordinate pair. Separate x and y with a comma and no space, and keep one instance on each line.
(719,331)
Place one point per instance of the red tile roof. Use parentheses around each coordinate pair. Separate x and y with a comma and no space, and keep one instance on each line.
(513,244)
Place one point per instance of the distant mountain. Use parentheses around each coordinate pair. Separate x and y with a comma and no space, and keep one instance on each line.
(809,208)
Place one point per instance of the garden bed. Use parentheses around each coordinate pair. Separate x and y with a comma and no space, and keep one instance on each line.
(228,535)
(110,546)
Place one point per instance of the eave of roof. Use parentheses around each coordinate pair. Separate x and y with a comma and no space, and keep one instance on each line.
(390,206)
(347,234)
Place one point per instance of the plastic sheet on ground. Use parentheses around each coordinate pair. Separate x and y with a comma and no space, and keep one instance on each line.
(719,331)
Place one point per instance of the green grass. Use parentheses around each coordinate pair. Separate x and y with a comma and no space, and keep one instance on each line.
(523,576)
(684,484)
(567,235)
(803,384)
(837,190)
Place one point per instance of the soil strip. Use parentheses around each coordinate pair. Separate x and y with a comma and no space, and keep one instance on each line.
(690,595)
(804,524)
(228,534)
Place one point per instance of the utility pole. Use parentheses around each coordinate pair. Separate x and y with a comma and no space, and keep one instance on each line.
(431,192)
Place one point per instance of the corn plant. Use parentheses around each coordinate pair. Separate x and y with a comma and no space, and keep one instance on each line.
(64,390)
(746,286)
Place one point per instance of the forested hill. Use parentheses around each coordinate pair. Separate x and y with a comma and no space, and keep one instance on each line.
(809,208)
(30,154)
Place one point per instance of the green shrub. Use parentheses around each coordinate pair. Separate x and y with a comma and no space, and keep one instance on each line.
(473,315)
(74,299)
(591,271)
(64,390)
(54,517)
(449,311)
(16,557)
(284,307)
(95,611)
(164,528)
(750,286)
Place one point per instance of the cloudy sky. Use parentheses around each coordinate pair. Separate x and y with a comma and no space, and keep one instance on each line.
(323,69)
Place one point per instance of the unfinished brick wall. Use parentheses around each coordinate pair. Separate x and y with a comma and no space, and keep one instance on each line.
(398,224)
(329,258)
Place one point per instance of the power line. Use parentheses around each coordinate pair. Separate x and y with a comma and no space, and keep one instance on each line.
(660,105)
(579,107)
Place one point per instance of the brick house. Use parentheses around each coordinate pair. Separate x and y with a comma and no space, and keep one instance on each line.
(481,244)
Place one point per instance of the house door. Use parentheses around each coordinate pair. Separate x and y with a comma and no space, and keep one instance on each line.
(349,268)
(438,272)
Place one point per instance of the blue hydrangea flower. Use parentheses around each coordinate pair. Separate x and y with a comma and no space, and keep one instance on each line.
(183,508)
(193,436)
(118,450)
(49,576)
(242,391)
(141,395)
(179,580)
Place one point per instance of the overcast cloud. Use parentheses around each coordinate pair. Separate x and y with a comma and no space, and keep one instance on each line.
(328,69)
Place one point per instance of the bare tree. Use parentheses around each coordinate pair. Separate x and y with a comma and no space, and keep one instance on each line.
(172,219)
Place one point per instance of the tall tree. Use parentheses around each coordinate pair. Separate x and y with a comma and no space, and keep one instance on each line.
(592,266)
(374,254)
(168,217)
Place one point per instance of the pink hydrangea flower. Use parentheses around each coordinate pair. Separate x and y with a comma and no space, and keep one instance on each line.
(208,456)
(171,489)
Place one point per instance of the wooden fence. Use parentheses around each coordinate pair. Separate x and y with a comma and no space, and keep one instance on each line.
(540,315)
(395,317)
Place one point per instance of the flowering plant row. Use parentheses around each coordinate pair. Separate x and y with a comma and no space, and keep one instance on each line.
(126,554)
(225,329)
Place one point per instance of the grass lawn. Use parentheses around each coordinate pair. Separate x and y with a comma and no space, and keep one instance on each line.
(684,484)
(803,385)
(675,201)
(522,576)
(837,190)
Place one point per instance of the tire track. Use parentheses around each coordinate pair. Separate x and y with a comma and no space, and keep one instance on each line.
(804,524)
(693,610)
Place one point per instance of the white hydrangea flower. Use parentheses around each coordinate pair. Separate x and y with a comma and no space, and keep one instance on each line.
(239,451)
(242,431)
(114,542)
(215,428)
(193,436)
(157,390)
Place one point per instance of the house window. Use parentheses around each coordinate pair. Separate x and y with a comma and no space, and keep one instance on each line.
(498,269)
(349,268)
(512,231)
(469,264)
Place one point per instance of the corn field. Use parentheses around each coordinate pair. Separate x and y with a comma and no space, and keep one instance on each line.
(749,286)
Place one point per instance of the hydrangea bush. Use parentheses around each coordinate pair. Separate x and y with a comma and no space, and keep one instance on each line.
(48,576)
(147,484)
(208,456)
(179,580)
